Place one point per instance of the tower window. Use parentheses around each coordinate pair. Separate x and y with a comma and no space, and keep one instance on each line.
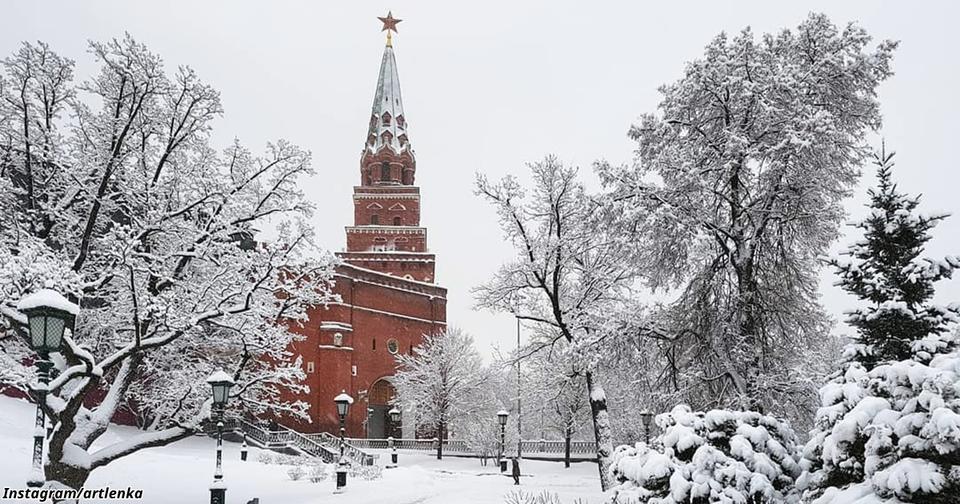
(392,346)
(374,219)
(397,220)
(385,171)
(310,367)
(374,343)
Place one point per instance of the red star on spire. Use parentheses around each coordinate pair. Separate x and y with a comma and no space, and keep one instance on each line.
(389,22)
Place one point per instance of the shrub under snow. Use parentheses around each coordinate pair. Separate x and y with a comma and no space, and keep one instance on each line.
(891,434)
(719,456)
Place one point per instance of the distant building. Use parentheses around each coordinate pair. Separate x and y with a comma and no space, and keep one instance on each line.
(387,282)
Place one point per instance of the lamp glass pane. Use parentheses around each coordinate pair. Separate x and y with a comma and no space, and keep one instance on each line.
(55,327)
(219,393)
(37,331)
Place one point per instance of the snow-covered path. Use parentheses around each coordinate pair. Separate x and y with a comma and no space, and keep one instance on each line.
(183,472)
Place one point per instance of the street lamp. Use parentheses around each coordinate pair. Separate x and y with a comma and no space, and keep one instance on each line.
(646,416)
(343,402)
(502,418)
(366,423)
(48,314)
(394,420)
(220,382)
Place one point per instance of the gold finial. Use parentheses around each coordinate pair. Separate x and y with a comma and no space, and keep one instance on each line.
(389,25)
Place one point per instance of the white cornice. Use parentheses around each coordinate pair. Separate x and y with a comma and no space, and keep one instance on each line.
(373,310)
(378,229)
(386,196)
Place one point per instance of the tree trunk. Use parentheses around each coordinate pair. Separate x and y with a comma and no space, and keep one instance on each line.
(749,328)
(440,442)
(66,475)
(566,449)
(601,429)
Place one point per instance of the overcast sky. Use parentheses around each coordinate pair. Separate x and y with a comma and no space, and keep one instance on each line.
(489,86)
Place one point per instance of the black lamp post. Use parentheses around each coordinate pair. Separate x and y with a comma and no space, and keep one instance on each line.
(366,428)
(220,382)
(343,402)
(502,418)
(394,420)
(48,314)
(646,416)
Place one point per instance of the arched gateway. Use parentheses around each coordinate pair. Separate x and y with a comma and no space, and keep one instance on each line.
(379,425)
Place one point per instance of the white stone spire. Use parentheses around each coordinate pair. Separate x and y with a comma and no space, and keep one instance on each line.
(388,126)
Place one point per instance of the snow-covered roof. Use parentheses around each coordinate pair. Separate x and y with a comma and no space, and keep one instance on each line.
(343,396)
(49,298)
(219,376)
(387,115)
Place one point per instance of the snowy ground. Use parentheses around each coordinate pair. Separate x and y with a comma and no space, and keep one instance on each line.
(183,472)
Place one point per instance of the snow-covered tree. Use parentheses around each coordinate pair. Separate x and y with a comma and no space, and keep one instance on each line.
(889,421)
(890,434)
(112,194)
(719,456)
(568,275)
(480,428)
(885,270)
(553,394)
(736,194)
(443,381)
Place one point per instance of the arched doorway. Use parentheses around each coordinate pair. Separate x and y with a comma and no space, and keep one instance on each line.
(379,425)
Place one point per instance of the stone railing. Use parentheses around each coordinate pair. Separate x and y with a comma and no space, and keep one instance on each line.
(540,446)
(555,446)
(351,450)
(323,446)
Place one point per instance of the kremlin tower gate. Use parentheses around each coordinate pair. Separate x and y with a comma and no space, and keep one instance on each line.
(386,283)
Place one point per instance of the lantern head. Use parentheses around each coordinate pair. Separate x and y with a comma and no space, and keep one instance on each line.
(394,414)
(343,402)
(48,315)
(502,417)
(646,416)
(221,383)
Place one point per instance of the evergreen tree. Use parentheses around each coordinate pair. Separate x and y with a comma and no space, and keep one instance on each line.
(888,428)
(886,270)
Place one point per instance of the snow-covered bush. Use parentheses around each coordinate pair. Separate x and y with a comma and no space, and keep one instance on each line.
(285,459)
(893,432)
(717,456)
(265,457)
(296,472)
(318,472)
(544,497)
(370,472)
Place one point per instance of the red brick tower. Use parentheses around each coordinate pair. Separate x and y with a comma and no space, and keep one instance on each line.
(386,235)
(386,282)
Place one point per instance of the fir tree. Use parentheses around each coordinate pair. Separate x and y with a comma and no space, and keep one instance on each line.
(888,428)
(885,269)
